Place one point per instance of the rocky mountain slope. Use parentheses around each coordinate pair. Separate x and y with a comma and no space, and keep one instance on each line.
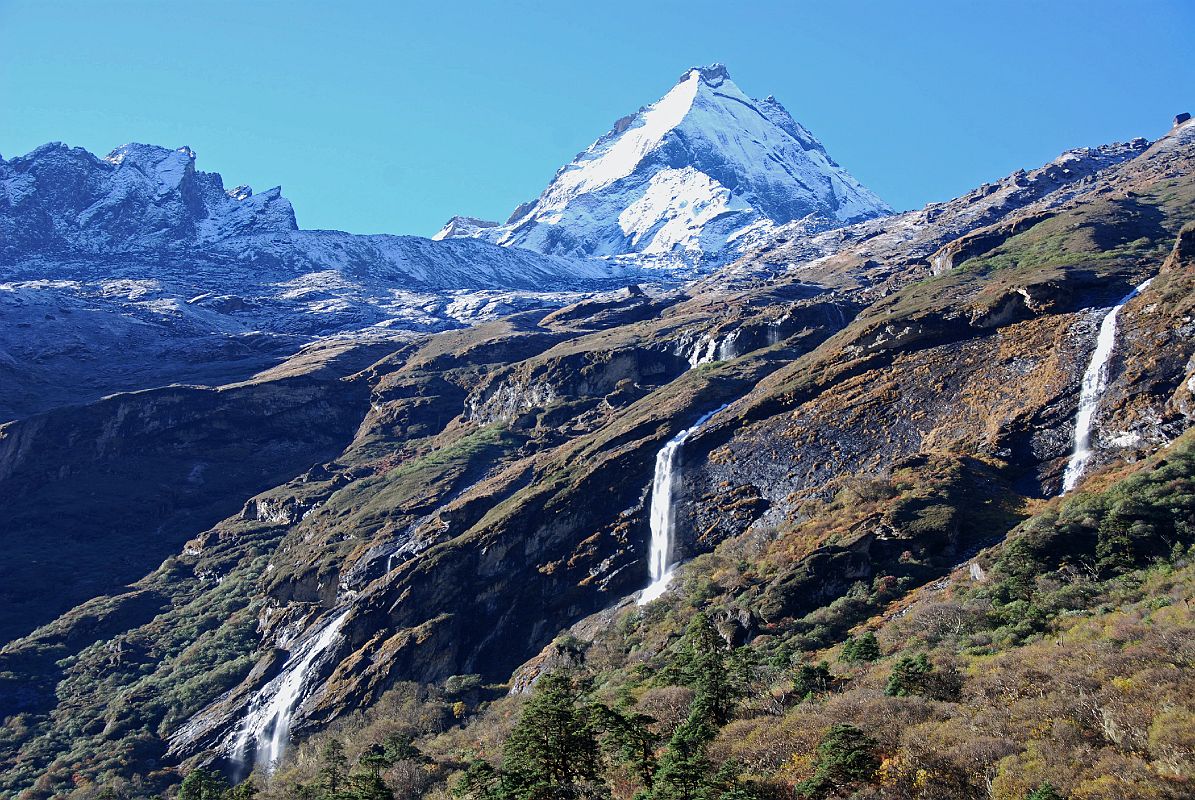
(141,253)
(685,180)
(891,397)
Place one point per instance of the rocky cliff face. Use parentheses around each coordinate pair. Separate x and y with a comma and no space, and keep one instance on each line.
(461,497)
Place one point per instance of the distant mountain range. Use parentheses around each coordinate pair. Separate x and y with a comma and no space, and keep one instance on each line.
(141,251)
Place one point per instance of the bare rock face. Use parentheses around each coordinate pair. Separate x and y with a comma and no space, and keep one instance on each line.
(128,480)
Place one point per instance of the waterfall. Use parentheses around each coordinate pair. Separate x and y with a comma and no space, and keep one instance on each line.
(1095,379)
(272,708)
(663,514)
(705,351)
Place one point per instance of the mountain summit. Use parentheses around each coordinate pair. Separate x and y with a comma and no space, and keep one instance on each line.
(685,176)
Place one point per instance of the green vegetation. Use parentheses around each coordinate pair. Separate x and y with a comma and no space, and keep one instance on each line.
(1077,634)
(864,648)
(846,757)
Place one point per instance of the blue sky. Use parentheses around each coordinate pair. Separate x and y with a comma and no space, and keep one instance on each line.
(392,116)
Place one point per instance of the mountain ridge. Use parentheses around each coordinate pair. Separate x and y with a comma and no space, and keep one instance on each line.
(685,177)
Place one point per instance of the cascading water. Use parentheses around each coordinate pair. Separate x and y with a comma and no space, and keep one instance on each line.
(705,351)
(663,514)
(1095,379)
(272,708)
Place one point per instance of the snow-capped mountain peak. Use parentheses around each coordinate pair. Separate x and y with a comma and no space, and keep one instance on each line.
(685,177)
(167,167)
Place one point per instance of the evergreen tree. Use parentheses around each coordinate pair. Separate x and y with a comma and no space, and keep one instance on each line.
(245,790)
(400,747)
(367,785)
(848,650)
(845,756)
(374,759)
(480,781)
(629,739)
(1044,792)
(725,784)
(684,767)
(553,750)
(202,784)
(333,767)
(704,667)
(909,676)
(812,679)
(864,648)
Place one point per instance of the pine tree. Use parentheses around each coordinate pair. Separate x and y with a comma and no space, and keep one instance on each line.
(245,790)
(704,667)
(725,784)
(202,784)
(864,648)
(366,783)
(845,756)
(553,750)
(367,786)
(480,781)
(812,679)
(684,767)
(401,747)
(629,739)
(909,676)
(333,767)
(1044,792)
(374,759)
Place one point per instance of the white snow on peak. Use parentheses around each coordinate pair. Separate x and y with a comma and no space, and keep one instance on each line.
(674,209)
(685,177)
(459,227)
(616,156)
(166,167)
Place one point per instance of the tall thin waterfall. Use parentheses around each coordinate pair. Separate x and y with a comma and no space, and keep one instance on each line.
(272,708)
(663,514)
(1095,380)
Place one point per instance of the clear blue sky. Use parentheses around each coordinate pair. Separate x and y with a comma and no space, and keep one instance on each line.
(392,116)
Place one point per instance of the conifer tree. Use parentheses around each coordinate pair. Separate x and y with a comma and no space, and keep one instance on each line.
(812,679)
(845,756)
(480,781)
(704,667)
(909,676)
(863,648)
(332,771)
(367,785)
(245,790)
(684,767)
(628,737)
(202,784)
(1046,791)
(553,750)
